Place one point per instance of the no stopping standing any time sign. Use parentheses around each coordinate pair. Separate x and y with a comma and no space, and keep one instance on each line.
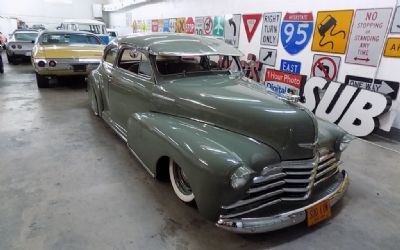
(368,36)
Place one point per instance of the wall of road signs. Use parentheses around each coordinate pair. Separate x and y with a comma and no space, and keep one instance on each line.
(352,44)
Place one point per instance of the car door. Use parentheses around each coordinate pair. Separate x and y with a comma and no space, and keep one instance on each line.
(107,69)
(131,86)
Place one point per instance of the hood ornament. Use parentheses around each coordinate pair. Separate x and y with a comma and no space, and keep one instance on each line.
(290,98)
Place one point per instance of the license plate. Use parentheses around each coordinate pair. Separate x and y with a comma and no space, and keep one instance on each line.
(28,53)
(79,68)
(318,212)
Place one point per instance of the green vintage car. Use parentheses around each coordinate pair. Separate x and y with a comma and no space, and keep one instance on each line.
(250,160)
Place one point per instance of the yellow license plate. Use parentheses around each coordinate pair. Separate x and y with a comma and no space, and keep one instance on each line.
(318,212)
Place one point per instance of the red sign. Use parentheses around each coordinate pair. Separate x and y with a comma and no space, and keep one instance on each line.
(189,26)
(154,25)
(299,17)
(283,77)
(251,22)
(208,25)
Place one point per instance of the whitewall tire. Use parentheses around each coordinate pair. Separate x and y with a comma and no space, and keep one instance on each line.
(180,183)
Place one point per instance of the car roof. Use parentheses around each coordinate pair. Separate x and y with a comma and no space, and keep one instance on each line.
(170,44)
(26,30)
(66,32)
(83,21)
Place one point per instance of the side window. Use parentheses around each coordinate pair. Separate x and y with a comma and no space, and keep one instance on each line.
(136,62)
(111,55)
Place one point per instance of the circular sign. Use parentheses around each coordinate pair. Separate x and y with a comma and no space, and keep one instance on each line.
(189,26)
(208,26)
(325,67)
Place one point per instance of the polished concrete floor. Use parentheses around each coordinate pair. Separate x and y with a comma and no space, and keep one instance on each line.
(68,182)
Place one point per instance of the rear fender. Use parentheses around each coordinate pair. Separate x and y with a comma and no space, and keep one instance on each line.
(208,155)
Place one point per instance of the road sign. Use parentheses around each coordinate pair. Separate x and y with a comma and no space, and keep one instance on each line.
(208,26)
(332,30)
(267,56)
(392,48)
(134,26)
(396,21)
(189,25)
(288,66)
(154,25)
(199,25)
(148,25)
(160,25)
(325,66)
(218,27)
(296,31)
(180,25)
(166,25)
(389,88)
(368,36)
(270,28)
(251,22)
(282,82)
(172,25)
(143,26)
(232,29)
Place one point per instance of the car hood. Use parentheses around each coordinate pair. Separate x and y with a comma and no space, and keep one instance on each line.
(73,51)
(243,107)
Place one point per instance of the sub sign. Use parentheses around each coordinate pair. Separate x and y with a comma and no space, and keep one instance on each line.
(166,25)
(232,29)
(368,36)
(270,28)
(160,25)
(392,48)
(267,56)
(180,25)
(189,25)
(289,66)
(332,29)
(389,88)
(154,25)
(396,21)
(325,66)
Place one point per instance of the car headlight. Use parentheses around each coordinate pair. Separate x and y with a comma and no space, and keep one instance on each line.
(240,177)
(344,142)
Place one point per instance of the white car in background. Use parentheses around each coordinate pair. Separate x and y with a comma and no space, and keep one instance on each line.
(93,26)
(20,44)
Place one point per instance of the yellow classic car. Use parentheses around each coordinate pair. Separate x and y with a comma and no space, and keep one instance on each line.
(65,53)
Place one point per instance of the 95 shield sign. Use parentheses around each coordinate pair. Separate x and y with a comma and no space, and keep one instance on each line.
(296,31)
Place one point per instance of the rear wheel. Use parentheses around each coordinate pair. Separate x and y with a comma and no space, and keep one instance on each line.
(42,81)
(11,59)
(180,183)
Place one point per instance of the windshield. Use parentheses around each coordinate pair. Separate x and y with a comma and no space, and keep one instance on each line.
(69,39)
(183,65)
(25,36)
(92,28)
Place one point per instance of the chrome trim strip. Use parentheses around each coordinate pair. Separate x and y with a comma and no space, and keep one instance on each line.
(260,179)
(326,157)
(141,162)
(250,210)
(326,177)
(266,187)
(279,221)
(119,130)
(326,164)
(245,202)
(333,166)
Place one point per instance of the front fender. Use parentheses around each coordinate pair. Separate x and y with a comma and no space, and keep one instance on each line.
(208,155)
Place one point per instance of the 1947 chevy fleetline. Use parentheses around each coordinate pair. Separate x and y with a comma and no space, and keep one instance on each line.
(250,160)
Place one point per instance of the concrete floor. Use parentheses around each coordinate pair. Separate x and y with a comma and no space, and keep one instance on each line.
(68,182)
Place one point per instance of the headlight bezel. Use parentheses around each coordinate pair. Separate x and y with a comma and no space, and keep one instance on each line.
(240,177)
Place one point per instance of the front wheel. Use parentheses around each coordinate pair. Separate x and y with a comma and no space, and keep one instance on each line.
(180,183)
(93,100)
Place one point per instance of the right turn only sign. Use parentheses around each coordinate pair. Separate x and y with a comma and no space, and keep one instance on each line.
(325,66)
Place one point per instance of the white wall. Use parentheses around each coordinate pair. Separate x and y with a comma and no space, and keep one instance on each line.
(388,70)
(47,12)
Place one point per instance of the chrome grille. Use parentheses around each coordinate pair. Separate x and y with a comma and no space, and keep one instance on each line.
(286,181)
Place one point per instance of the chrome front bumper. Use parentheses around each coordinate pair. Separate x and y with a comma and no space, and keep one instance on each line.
(67,64)
(279,221)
